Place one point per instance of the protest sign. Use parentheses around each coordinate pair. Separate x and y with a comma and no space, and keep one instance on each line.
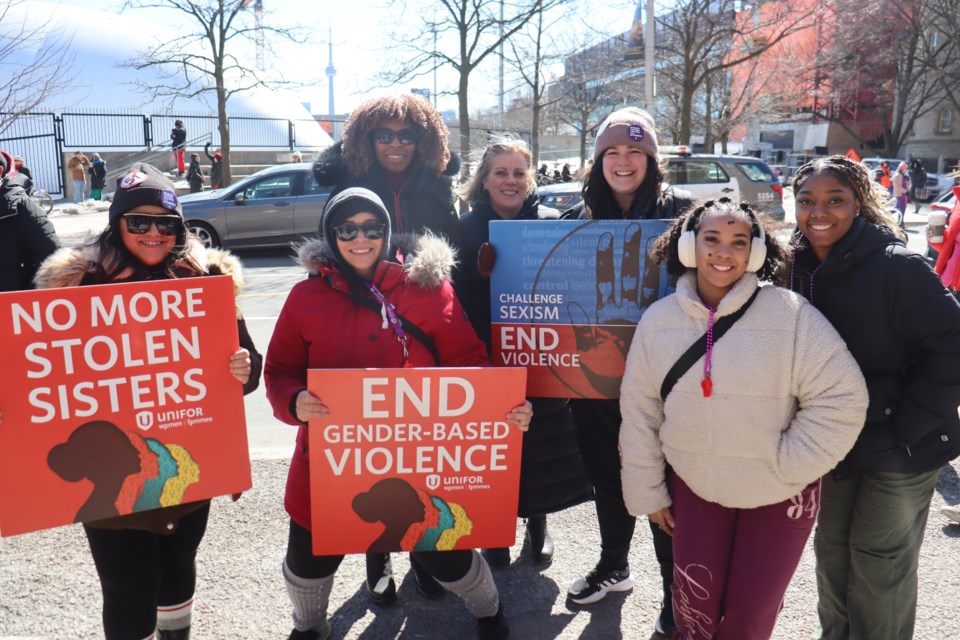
(414,459)
(118,399)
(566,296)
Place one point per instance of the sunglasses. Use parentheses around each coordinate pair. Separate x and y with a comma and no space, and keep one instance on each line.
(386,136)
(166,225)
(371,231)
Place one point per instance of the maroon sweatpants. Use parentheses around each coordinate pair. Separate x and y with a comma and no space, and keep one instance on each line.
(732,566)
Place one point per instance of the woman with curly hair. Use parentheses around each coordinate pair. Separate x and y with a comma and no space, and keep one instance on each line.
(903,328)
(727,456)
(396,146)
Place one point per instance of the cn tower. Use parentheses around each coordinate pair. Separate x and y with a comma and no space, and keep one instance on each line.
(331,71)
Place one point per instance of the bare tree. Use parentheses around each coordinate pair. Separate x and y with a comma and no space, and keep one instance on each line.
(36,64)
(704,38)
(207,58)
(479,30)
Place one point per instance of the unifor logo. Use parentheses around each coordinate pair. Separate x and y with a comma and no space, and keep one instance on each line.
(433,481)
(145,420)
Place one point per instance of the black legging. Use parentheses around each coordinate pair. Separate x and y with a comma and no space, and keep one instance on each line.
(598,433)
(140,571)
(446,566)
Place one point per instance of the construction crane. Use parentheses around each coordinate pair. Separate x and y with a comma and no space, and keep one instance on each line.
(258,36)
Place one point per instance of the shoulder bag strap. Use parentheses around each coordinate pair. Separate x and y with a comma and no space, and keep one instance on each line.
(699,348)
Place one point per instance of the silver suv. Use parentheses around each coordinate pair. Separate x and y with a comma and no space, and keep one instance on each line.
(707,177)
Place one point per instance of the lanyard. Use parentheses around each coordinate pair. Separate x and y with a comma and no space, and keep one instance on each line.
(389,314)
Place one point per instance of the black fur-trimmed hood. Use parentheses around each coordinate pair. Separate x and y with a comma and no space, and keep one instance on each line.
(330,169)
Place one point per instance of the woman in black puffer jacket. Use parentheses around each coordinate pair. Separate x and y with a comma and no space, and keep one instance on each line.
(551,472)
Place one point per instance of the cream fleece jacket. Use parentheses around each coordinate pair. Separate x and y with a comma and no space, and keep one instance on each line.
(788,400)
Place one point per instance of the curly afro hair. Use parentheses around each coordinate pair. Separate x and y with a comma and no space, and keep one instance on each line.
(432,151)
(665,249)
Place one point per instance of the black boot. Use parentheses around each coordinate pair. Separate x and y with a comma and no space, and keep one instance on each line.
(427,585)
(666,626)
(173,634)
(498,557)
(494,627)
(380,583)
(541,544)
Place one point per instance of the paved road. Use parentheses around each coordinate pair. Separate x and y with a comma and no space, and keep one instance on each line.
(49,588)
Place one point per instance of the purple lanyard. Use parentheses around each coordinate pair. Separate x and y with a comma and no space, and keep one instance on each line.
(389,314)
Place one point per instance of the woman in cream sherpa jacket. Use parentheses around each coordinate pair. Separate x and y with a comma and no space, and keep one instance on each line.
(733,472)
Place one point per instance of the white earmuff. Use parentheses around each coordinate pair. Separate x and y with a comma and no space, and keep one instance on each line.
(758,247)
(687,245)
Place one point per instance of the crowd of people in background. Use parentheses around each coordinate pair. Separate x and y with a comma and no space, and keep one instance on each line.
(831,398)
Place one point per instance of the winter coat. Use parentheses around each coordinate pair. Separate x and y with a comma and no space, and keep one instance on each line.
(322,326)
(216,166)
(178,137)
(98,174)
(76,267)
(551,472)
(949,242)
(425,203)
(901,184)
(788,400)
(78,167)
(195,176)
(27,237)
(671,204)
(903,328)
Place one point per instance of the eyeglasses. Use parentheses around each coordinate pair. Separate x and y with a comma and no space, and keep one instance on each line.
(386,136)
(166,225)
(371,231)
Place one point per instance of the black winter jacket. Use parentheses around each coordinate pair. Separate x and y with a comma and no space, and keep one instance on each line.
(98,175)
(216,167)
(26,236)
(178,137)
(551,472)
(671,204)
(903,328)
(425,203)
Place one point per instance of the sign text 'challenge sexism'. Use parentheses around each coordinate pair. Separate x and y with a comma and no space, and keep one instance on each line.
(91,389)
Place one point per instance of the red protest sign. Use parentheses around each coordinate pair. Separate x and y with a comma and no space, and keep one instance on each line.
(118,399)
(414,459)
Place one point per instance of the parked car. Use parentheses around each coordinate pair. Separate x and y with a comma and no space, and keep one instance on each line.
(944,203)
(705,176)
(271,208)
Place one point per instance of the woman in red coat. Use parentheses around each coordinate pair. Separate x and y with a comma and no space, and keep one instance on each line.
(324,325)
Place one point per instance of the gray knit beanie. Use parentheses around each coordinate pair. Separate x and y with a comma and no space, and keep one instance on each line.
(630,126)
(347,203)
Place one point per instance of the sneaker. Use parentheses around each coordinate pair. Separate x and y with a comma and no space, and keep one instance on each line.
(951,512)
(322,633)
(598,584)
(494,627)
(380,584)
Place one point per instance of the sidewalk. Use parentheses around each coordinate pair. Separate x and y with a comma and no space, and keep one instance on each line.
(50,589)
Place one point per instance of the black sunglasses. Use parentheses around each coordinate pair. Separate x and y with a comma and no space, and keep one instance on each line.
(371,231)
(166,225)
(386,136)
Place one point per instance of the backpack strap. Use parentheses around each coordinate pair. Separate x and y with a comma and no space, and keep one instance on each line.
(699,348)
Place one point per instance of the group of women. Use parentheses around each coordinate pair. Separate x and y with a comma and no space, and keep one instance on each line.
(774,389)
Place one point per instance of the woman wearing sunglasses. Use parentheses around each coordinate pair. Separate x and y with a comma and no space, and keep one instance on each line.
(396,146)
(551,473)
(145,560)
(327,322)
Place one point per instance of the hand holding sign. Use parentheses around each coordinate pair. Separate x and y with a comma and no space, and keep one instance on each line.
(308,407)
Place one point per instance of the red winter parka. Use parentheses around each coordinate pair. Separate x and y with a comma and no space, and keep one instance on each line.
(322,326)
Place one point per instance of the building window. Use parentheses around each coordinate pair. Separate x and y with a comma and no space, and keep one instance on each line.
(945,121)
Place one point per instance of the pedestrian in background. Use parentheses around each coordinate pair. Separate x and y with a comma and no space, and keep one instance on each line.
(885,176)
(551,472)
(918,183)
(78,165)
(27,237)
(396,146)
(195,177)
(178,142)
(146,560)
(901,187)
(324,325)
(625,182)
(728,459)
(903,328)
(565,174)
(25,172)
(98,176)
(216,166)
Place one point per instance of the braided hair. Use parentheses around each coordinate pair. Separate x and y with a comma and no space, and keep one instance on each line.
(358,150)
(870,196)
(665,250)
